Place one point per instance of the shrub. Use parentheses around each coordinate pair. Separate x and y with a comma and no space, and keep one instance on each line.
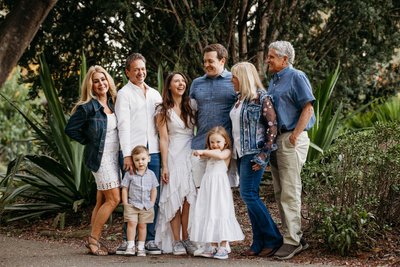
(384,110)
(49,183)
(353,191)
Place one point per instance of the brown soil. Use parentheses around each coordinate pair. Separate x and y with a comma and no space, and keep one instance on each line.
(387,253)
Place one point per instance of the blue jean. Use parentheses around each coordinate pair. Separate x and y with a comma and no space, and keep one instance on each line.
(155,166)
(265,232)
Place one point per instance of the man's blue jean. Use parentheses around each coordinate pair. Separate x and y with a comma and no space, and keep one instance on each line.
(265,232)
(155,166)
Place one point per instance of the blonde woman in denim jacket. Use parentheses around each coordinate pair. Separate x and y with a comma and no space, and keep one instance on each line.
(254,129)
(93,123)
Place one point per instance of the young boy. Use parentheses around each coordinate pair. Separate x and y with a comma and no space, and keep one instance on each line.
(139,192)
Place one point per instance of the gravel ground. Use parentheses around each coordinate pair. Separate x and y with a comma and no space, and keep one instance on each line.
(39,243)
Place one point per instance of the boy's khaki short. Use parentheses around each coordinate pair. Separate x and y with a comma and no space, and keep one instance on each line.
(136,215)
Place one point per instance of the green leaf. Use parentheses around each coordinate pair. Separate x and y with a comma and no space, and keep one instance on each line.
(45,184)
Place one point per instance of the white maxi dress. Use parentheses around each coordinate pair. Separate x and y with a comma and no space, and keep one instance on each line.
(181,184)
(214,217)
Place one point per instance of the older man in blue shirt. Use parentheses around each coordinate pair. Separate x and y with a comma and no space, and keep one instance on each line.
(293,101)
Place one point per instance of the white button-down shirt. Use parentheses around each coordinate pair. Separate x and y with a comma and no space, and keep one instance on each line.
(135,115)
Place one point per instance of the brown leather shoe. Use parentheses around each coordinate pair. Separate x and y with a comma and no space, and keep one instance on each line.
(249,253)
(267,252)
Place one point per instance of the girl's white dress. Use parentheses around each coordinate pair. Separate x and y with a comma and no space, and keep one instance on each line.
(108,175)
(214,217)
(181,184)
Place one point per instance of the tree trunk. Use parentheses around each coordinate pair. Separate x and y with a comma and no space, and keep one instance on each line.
(231,31)
(263,26)
(18,30)
(242,29)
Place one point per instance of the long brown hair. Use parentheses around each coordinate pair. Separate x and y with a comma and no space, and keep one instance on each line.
(187,114)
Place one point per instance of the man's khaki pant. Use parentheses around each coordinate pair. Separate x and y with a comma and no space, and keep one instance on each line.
(287,184)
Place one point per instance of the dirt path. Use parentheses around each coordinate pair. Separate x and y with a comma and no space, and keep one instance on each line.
(19,252)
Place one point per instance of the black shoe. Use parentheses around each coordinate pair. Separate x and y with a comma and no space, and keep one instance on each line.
(287,251)
(151,248)
(122,248)
(304,244)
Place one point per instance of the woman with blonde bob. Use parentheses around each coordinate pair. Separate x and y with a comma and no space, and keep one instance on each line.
(254,129)
(93,123)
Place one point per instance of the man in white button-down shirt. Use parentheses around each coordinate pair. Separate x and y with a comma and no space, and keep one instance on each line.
(135,109)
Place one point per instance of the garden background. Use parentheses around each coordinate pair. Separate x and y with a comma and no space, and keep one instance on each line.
(350,50)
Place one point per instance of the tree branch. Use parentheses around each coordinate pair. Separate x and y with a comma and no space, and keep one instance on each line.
(17,31)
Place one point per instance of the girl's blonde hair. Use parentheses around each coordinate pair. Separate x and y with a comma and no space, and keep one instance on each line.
(87,93)
(221,131)
(248,78)
(136,151)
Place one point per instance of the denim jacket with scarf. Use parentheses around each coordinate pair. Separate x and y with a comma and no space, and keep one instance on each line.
(258,128)
(88,126)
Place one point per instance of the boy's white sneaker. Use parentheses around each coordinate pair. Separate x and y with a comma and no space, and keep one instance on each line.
(130,251)
(141,253)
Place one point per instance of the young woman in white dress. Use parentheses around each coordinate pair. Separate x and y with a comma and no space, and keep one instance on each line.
(214,219)
(175,122)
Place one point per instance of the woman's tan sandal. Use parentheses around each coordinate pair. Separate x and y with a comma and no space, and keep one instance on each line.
(90,245)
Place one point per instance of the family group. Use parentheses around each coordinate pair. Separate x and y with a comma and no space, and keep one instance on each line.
(173,159)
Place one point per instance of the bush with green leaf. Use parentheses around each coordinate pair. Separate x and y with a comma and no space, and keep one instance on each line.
(54,182)
(14,140)
(327,121)
(382,111)
(353,190)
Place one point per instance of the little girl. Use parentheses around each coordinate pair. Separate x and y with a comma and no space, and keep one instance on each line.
(214,218)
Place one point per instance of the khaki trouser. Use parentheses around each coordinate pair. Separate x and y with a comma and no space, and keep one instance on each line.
(287,184)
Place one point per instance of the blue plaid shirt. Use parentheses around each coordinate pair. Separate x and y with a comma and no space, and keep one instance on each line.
(215,97)
(139,188)
(291,91)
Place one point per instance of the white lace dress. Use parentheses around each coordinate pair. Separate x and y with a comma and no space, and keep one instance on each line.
(214,217)
(181,184)
(108,175)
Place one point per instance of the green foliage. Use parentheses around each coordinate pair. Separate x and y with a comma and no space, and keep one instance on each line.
(361,34)
(342,228)
(353,190)
(389,111)
(44,184)
(327,122)
(358,33)
(13,139)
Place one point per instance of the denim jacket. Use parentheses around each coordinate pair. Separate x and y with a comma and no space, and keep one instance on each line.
(88,126)
(258,128)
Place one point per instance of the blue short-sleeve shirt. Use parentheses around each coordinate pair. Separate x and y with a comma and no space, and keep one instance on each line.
(291,91)
(215,97)
(139,188)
